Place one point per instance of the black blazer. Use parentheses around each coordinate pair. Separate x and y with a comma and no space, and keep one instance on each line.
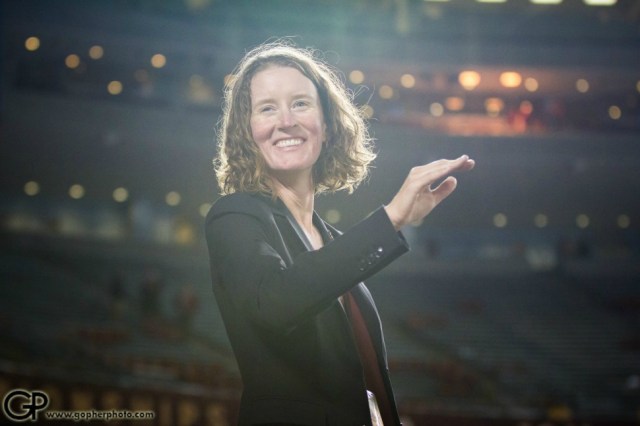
(279,302)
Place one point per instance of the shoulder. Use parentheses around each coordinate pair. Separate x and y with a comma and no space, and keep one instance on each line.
(257,205)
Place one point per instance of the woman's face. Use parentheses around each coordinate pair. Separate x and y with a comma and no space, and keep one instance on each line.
(287,122)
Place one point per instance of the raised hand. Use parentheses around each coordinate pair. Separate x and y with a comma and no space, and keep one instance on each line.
(416,198)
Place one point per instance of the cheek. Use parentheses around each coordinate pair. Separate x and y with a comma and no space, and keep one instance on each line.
(259,131)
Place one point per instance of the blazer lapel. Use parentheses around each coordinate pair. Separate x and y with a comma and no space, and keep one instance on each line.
(279,209)
(361,294)
(327,234)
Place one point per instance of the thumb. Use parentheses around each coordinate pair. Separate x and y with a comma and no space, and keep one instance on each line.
(445,189)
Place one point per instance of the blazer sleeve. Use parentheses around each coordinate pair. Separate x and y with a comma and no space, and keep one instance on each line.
(280,294)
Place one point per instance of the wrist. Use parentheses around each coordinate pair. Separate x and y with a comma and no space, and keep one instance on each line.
(392,218)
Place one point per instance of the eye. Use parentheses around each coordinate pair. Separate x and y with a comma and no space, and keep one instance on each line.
(266,108)
(301,103)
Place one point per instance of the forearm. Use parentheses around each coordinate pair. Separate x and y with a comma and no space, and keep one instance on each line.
(281,294)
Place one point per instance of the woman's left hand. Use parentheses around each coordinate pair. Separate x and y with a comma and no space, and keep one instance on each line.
(416,198)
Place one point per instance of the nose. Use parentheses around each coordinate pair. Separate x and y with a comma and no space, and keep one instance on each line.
(286,119)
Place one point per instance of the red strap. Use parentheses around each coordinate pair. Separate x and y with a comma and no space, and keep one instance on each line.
(372,374)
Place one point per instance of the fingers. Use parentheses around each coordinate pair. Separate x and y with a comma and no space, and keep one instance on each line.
(467,165)
(423,176)
(416,198)
(445,189)
(460,164)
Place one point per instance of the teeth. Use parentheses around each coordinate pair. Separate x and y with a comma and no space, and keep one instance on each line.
(288,142)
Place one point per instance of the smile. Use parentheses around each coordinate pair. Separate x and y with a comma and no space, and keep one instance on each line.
(288,142)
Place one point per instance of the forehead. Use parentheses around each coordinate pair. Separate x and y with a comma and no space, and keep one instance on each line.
(280,79)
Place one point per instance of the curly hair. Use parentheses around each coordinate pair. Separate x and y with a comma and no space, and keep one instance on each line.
(343,163)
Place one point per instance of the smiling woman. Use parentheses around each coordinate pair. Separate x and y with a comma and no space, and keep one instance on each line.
(344,162)
(287,122)
(302,324)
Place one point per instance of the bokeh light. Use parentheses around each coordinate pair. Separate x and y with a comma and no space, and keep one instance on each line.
(173,198)
(72,61)
(356,77)
(510,79)
(158,60)
(114,87)
(32,44)
(120,194)
(582,85)
(500,220)
(96,52)
(32,188)
(469,79)
(76,191)
(407,81)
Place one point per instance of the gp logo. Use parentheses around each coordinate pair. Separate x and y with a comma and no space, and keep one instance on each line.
(22,405)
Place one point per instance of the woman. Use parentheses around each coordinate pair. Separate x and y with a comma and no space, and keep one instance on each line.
(303,327)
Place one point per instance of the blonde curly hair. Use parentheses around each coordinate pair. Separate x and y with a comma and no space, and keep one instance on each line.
(343,163)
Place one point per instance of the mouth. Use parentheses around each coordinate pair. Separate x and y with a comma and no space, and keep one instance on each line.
(282,143)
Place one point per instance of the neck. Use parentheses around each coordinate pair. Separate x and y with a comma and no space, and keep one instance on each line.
(298,196)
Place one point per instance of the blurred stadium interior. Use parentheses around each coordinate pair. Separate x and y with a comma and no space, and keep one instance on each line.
(519,303)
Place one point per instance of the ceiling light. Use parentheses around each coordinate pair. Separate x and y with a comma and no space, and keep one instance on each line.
(582,85)
(114,87)
(623,221)
(541,220)
(469,79)
(72,61)
(158,60)
(407,81)
(454,103)
(120,194)
(500,220)
(510,79)
(582,221)
(436,109)
(531,84)
(615,112)
(600,2)
(31,188)
(32,44)
(76,191)
(96,52)
(385,92)
(494,106)
(173,198)
(356,77)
